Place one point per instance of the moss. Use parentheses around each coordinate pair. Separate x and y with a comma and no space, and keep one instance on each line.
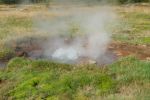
(26,89)
(39,81)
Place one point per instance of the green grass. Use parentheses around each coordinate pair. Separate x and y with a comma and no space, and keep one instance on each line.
(133,28)
(40,79)
(129,69)
(12,25)
(138,21)
(45,79)
(126,79)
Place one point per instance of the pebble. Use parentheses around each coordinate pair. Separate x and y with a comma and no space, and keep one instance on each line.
(92,62)
(148,58)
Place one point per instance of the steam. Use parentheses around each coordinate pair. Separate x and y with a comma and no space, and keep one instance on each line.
(65,53)
(77,33)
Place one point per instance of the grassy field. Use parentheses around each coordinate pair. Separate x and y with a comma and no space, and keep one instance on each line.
(136,25)
(128,78)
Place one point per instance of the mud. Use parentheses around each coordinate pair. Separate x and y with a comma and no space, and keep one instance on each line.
(33,50)
(123,49)
(2,64)
(115,51)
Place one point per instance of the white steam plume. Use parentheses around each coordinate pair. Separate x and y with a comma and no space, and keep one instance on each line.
(76,34)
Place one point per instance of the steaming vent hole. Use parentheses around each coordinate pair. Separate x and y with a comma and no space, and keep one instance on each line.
(34,49)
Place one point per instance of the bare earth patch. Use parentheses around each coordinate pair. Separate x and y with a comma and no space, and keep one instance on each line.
(33,50)
(123,49)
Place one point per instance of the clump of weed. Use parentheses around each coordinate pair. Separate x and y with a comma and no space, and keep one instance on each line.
(6,54)
(18,62)
(45,64)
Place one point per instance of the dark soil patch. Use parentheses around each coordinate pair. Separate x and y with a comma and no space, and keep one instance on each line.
(33,49)
(123,49)
(2,64)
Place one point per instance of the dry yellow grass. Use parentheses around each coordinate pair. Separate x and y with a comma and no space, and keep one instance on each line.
(144,8)
(30,12)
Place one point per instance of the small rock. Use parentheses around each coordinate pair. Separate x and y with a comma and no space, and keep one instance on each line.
(144,46)
(118,53)
(148,58)
(92,62)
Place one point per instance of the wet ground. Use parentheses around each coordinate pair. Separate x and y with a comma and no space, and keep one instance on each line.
(33,50)
(123,49)
(2,64)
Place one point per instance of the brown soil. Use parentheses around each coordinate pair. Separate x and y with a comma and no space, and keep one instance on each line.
(114,52)
(123,49)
